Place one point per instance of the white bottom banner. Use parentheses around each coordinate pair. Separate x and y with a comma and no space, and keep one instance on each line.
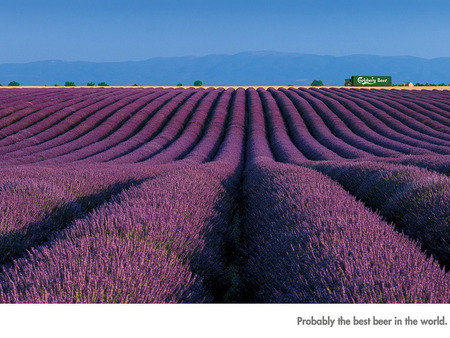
(216,320)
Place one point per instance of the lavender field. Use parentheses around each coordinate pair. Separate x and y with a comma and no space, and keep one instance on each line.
(224,195)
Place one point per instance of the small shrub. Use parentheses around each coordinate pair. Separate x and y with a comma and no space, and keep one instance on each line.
(90,84)
(69,84)
(198,83)
(13,84)
(103,84)
(317,83)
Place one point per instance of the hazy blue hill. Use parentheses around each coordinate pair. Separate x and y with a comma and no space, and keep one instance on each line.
(251,68)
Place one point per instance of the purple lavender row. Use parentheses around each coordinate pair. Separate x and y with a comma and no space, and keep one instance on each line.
(400,115)
(83,146)
(10,98)
(30,210)
(213,132)
(12,111)
(283,138)
(19,100)
(191,133)
(37,202)
(429,118)
(422,104)
(383,124)
(145,123)
(113,131)
(287,127)
(390,119)
(341,130)
(163,134)
(433,96)
(319,129)
(367,126)
(439,99)
(93,128)
(32,133)
(232,147)
(309,241)
(414,199)
(37,98)
(257,145)
(32,112)
(122,139)
(440,164)
(69,130)
(16,95)
(160,242)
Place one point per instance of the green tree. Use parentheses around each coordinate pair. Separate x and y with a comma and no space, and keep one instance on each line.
(13,84)
(90,84)
(69,84)
(198,83)
(180,85)
(103,84)
(317,83)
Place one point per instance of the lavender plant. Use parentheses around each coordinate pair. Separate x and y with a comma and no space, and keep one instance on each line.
(309,241)
(159,242)
(415,199)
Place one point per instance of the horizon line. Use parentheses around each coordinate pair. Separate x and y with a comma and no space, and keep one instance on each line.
(225,54)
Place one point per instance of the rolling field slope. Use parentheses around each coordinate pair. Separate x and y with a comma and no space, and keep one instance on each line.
(266,195)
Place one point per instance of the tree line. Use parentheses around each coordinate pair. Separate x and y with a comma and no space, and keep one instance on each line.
(197,83)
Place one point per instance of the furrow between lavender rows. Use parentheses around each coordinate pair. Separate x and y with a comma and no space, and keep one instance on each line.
(141,127)
(307,240)
(70,129)
(372,128)
(36,203)
(414,199)
(163,241)
(191,133)
(403,120)
(202,233)
(161,130)
(431,115)
(13,111)
(93,125)
(339,128)
(62,114)
(440,164)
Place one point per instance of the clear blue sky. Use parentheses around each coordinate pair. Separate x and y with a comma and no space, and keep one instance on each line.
(122,30)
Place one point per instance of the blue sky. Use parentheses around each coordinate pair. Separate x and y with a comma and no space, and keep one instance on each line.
(113,30)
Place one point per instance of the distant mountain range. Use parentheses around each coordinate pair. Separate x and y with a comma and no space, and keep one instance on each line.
(250,68)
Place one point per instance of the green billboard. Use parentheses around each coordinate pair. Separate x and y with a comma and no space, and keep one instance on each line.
(369,81)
